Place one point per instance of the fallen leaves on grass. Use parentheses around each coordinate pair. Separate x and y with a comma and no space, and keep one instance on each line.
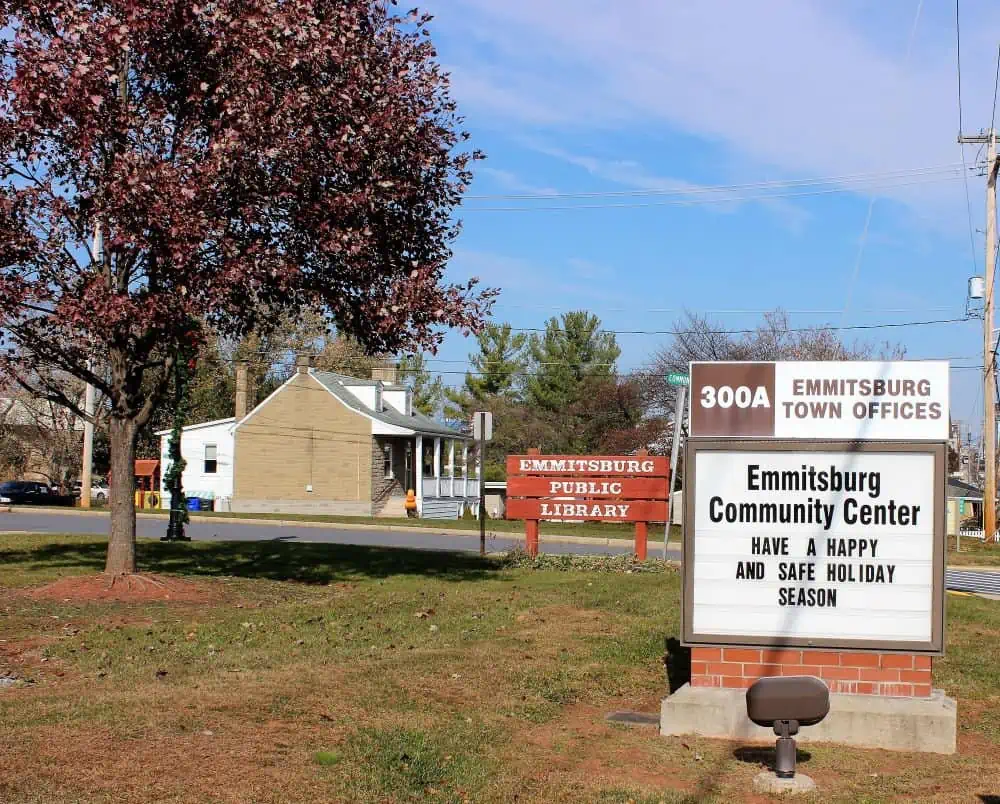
(135,588)
(620,564)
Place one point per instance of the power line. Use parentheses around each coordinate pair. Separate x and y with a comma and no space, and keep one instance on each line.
(961,145)
(721,188)
(699,201)
(751,331)
(588,364)
(862,245)
(996,85)
(829,328)
(886,310)
(958,62)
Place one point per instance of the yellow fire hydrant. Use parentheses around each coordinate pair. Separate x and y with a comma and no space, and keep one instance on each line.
(411,503)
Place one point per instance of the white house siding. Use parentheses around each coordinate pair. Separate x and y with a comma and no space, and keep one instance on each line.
(196,482)
(397,399)
(366,394)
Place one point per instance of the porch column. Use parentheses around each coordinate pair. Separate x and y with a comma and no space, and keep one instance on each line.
(451,466)
(480,456)
(465,469)
(437,465)
(418,473)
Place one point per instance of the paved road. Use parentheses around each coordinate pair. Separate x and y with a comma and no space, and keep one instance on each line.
(48,522)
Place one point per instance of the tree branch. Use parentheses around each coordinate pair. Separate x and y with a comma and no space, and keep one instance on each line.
(156,395)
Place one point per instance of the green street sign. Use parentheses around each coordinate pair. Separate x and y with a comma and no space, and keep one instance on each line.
(678,379)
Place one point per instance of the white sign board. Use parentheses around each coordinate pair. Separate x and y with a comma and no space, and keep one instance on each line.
(482,425)
(823,547)
(905,400)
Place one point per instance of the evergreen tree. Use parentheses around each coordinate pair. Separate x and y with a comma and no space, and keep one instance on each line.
(428,391)
(570,353)
(498,370)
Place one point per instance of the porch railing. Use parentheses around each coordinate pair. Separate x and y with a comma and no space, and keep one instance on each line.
(451,486)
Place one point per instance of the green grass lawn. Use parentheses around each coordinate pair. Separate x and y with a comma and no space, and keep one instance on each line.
(973,553)
(332,673)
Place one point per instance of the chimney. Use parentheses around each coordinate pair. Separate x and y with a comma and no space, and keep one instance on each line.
(241,389)
(386,371)
(304,363)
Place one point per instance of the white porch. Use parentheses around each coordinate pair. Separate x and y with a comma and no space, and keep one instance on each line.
(447,477)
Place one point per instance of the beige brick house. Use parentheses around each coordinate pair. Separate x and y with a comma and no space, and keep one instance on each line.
(332,444)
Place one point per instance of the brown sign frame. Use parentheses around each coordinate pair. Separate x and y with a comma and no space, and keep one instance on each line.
(639,510)
(935,647)
(744,421)
(524,491)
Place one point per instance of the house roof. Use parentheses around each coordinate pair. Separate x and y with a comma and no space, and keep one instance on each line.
(416,421)
(146,467)
(344,379)
(959,488)
(37,413)
(198,426)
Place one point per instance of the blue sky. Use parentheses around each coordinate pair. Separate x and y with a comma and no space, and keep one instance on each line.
(606,96)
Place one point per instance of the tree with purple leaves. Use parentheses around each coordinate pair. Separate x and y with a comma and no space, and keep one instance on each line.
(241,159)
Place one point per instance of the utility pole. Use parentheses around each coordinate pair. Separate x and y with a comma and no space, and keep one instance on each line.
(86,478)
(989,360)
(674,453)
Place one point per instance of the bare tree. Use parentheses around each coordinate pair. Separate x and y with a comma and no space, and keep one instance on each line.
(42,438)
(696,337)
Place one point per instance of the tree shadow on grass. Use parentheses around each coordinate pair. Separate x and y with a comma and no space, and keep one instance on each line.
(763,755)
(677,661)
(271,560)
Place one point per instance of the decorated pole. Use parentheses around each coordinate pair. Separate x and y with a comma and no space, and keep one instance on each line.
(174,476)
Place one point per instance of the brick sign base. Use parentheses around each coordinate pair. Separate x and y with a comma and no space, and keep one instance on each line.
(888,674)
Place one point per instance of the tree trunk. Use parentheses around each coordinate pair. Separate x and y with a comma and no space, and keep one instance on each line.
(121,545)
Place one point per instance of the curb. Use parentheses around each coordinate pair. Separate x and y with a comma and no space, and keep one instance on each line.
(972,568)
(553,538)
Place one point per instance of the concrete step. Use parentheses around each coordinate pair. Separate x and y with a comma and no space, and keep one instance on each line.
(395,507)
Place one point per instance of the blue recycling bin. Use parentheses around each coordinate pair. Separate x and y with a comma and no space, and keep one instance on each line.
(194,503)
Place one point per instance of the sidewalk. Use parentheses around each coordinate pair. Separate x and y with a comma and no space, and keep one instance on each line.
(972,568)
(654,544)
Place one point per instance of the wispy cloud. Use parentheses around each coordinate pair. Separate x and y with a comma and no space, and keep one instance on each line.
(633,175)
(529,284)
(508,180)
(588,269)
(801,87)
(626,172)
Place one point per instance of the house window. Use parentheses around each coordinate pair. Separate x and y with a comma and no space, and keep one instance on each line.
(387,462)
(211,462)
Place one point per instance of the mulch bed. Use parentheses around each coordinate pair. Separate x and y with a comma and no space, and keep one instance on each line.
(135,588)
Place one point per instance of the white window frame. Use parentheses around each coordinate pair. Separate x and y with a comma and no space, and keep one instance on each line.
(206,459)
(387,458)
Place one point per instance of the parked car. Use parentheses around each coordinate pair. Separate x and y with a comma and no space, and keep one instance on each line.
(98,491)
(30,492)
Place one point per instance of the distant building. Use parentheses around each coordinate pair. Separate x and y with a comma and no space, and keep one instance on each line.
(207,449)
(327,443)
(964,501)
(39,440)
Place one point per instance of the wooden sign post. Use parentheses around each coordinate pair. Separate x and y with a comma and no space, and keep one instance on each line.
(586,488)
